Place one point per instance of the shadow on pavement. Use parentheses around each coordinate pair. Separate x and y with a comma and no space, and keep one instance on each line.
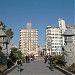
(50,68)
(21,70)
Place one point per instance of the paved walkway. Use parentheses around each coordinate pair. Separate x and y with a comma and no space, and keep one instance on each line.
(37,67)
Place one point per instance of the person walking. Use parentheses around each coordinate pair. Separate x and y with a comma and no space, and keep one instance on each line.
(26,58)
(19,64)
(45,59)
(51,62)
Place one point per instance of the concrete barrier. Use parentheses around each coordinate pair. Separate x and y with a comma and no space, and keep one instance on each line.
(63,70)
(8,70)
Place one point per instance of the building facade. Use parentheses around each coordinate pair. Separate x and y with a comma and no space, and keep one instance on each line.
(29,40)
(54,38)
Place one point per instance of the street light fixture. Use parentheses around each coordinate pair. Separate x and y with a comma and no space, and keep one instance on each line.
(7,49)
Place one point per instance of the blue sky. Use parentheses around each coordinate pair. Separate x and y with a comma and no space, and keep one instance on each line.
(41,13)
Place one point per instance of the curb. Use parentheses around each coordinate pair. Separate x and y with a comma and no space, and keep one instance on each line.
(64,71)
(8,70)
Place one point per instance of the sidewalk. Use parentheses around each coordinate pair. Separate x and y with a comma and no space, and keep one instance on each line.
(36,68)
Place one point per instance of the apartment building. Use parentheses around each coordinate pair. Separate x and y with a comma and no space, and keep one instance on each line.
(29,40)
(54,38)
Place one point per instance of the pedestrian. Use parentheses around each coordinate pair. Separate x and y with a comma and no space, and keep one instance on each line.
(26,58)
(45,59)
(19,64)
(51,62)
(33,57)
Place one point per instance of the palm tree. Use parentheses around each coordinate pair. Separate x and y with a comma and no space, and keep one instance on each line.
(3,25)
(9,34)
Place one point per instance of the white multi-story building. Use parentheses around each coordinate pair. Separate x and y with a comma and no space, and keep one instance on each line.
(54,38)
(29,40)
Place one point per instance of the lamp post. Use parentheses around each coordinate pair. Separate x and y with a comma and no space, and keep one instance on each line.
(7,49)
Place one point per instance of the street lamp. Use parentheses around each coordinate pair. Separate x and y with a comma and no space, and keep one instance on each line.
(7,49)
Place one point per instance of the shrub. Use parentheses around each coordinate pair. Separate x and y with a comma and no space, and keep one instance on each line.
(12,57)
(23,59)
(59,60)
(3,68)
(73,65)
(71,68)
(10,63)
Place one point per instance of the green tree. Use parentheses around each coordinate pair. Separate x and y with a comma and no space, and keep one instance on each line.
(13,54)
(16,52)
(9,34)
(19,53)
(3,25)
(13,50)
